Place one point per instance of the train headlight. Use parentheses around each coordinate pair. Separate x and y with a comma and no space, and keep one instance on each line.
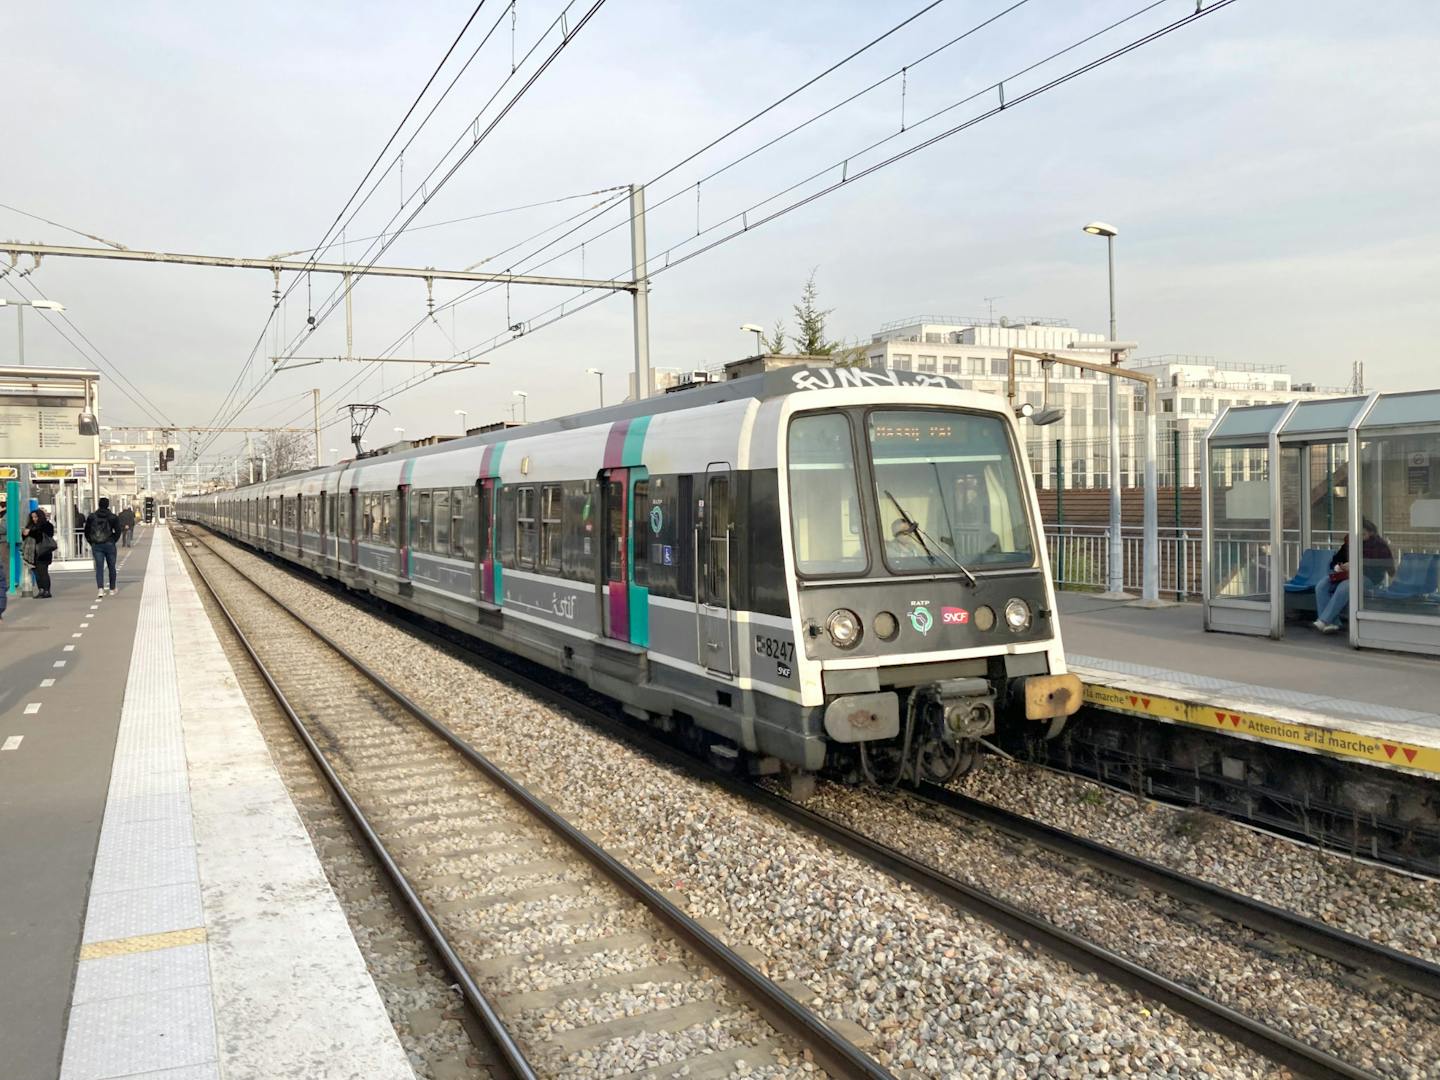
(843,626)
(1017,615)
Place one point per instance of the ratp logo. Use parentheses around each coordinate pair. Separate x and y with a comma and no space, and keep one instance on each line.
(921,620)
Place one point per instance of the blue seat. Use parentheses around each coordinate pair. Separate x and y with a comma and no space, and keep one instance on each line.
(1419,573)
(1314,568)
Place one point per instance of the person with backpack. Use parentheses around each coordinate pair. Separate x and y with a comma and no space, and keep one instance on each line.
(102,529)
(38,550)
(127,525)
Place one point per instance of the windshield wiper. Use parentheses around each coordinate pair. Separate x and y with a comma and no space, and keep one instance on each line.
(912,529)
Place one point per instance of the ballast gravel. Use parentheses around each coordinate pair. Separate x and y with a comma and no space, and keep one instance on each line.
(1388,1031)
(940,993)
(1392,908)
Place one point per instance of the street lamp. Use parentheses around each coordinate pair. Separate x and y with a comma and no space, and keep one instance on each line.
(20,306)
(1115,585)
(401,432)
(601,376)
(464,427)
(751,328)
(522,395)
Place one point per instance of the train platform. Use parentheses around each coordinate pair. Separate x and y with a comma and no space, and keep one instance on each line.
(162,910)
(1308,692)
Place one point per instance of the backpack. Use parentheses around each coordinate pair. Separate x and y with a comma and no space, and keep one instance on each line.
(98,529)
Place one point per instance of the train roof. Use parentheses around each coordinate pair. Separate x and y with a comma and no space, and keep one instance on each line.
(770,384)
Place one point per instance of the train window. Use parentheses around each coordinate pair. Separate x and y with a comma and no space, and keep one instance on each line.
(641,532)
(462,523)
(440,523)
(948,490)
(715,556)
(505,525)
(420,521)
(526,538)
(578,526)
(550,532)
(685,539)
(484,542)
(825,520)
(615,530)
(344,511)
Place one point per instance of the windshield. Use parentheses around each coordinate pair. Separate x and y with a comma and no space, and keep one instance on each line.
(947,489)
(824,497)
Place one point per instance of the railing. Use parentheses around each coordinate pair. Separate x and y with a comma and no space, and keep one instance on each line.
(1241,558)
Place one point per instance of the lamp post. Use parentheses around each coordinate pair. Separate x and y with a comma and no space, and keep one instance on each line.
(523,396)
(464,427)
(752,328)
(20,306)
(401,432)
(601,376)
(1115,584)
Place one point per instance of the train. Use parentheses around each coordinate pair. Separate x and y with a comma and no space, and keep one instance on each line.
(811,569)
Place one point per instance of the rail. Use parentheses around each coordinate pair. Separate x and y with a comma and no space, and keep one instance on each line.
(836,1054)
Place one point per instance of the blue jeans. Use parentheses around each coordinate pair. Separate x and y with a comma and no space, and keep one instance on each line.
(1331,600)
(104,556)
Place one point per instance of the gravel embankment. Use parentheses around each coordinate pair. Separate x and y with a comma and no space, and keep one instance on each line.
(1392,908)
(1387,1031)
(943,994)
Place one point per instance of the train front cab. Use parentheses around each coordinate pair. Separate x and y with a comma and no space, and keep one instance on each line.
(924,605)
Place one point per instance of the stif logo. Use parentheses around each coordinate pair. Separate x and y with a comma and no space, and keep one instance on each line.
(954,616)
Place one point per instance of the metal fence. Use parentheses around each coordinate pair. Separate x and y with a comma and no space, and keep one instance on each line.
(1080,557)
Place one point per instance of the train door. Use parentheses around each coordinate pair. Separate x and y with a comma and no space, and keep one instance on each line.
(300,524)
(713,613)
(322,524)
(485,539)
(614,552)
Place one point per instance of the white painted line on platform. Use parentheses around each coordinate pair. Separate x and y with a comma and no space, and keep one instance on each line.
(94,607)
(77,634)
(46,682)
(83,625)
(59,663)
(32,708)
(12,743)
(68,648)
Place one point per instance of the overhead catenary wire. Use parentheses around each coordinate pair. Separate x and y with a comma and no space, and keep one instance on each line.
(94,356)
(568,34)
(1010,103)
(321,246)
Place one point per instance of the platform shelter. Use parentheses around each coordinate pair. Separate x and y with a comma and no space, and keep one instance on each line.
(1288,484)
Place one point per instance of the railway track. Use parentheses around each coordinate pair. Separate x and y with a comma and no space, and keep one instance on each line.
(571,963)
(1273,1043)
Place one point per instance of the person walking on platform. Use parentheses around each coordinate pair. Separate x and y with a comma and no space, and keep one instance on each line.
(127,524)
(39,550)
(102,529)
(1332,595)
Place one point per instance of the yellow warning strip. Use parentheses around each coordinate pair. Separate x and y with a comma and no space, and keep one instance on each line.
(170,939)
(1309,737)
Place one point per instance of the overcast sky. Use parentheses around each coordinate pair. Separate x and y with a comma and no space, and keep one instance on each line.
(1271,168)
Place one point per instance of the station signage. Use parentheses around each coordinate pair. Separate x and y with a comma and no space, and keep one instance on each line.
(44,427)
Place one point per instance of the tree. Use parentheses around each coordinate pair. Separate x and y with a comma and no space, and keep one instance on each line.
(286,451)
(810,322)
(774,344)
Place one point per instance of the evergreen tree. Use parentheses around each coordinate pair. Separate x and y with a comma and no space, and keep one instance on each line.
(774,344)
(810,322)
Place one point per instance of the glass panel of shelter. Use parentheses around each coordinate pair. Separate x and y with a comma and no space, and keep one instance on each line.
(1240,514)
(1400,495)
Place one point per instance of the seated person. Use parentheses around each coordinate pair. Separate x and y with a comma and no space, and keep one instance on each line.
(1332,595)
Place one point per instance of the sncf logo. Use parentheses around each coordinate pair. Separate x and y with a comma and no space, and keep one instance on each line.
(954,616)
